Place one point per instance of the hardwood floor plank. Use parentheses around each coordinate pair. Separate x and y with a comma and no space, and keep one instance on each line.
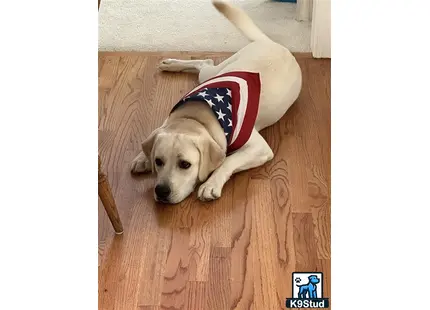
(221,220)
(242,288)
(304,243)
(121,274)
(199,247)
(148,308)
(326,269)
(176,273)
(321,219)
(197,295)
(263,238)
(234,253)
(219,280)
(152,275)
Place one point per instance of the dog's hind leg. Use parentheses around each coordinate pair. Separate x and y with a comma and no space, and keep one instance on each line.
(254,153)
(192,66)
(204,68)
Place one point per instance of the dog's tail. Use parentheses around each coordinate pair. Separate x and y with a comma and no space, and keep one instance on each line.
(240,19)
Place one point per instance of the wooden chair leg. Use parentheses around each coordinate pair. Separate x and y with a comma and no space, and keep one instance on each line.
(108,202)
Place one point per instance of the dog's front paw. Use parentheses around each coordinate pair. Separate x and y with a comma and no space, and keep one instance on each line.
(140,164)
(210,190)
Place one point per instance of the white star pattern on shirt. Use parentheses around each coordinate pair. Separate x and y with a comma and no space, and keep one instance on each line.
(219,98)
(228,92)
(220,104)
(220,114)
(210,103)
(202,93)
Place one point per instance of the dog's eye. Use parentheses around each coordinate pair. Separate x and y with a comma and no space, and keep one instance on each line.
(159,162)
(184,164)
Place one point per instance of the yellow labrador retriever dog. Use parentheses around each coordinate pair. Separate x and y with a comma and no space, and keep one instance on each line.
(213,131)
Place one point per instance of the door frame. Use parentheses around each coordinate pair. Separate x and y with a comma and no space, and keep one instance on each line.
(321,29)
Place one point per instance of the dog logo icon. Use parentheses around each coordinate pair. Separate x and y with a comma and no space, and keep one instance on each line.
(307,291)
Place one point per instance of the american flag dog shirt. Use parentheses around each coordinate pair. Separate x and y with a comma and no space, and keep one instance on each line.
(234,99)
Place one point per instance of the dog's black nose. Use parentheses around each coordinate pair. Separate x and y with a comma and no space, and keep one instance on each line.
(162,191)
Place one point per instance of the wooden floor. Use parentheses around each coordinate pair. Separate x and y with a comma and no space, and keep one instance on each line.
(234,253)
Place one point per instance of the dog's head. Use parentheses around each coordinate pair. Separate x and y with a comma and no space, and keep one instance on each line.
(313,279)
(181,160)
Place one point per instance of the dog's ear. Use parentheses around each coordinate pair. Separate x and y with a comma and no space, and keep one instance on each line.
(149,143)
(211,156)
